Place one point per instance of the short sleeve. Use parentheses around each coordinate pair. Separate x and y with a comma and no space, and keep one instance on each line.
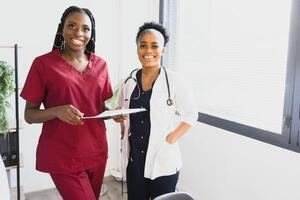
(107,89)
(34,87)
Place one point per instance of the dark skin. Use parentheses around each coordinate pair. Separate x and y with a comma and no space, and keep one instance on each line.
(150,48)
(76,33)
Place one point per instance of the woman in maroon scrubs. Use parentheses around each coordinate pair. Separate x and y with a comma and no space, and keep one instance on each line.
(70,81)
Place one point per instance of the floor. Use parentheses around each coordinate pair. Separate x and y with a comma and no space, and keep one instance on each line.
(112,190)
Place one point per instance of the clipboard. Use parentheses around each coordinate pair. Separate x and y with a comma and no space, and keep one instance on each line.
(111,113)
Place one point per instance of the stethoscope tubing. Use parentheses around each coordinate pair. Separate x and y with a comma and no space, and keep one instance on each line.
(169,100)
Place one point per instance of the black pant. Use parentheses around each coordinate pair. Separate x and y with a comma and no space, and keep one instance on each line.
(141,188)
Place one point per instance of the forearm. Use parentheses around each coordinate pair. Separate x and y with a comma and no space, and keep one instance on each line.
(37,115)
(122,126)
(180,130)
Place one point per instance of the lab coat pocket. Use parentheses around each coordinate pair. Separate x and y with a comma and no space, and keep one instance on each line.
(166,160)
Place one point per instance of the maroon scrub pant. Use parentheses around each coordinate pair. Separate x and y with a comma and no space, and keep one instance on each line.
(83,185)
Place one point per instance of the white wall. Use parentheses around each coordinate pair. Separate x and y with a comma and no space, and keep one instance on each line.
(219,165)
(33,24)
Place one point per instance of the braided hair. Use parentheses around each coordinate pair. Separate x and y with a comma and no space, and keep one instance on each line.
(59,40)
(152,25)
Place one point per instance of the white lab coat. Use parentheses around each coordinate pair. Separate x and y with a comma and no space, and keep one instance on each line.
(162,158)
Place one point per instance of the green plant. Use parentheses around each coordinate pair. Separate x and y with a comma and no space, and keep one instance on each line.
(6,89)
(112,103)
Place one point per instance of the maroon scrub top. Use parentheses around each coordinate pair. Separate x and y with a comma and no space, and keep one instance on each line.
(53,82)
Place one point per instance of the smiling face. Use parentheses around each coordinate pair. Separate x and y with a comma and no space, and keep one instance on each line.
(150,48)
(77,31)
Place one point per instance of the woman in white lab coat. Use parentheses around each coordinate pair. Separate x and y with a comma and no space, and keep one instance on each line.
(150,153)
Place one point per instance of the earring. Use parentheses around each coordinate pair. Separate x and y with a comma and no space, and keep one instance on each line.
(59,38)
(90,47)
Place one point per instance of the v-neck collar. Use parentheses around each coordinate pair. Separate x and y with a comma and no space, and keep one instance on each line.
(71,67)
(139,80)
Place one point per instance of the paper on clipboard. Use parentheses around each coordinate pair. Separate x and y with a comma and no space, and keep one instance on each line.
(111,113)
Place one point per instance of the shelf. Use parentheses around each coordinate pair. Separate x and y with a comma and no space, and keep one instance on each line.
(8,47)
(15,166)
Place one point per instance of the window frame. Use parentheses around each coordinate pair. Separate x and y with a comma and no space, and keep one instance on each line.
(289,137)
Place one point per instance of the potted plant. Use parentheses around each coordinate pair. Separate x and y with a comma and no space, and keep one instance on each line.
(6,89)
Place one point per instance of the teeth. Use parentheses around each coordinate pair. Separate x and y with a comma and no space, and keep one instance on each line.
(148,57)
(77,42)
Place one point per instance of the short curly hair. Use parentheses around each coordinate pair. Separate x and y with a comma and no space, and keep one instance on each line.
(153,25)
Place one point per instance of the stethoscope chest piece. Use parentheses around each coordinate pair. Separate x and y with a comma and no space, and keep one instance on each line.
(169,102)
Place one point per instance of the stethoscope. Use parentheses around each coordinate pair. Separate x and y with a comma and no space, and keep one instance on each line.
(169,100)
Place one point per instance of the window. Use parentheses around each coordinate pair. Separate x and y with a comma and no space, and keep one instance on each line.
(167,16)
(241,59)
